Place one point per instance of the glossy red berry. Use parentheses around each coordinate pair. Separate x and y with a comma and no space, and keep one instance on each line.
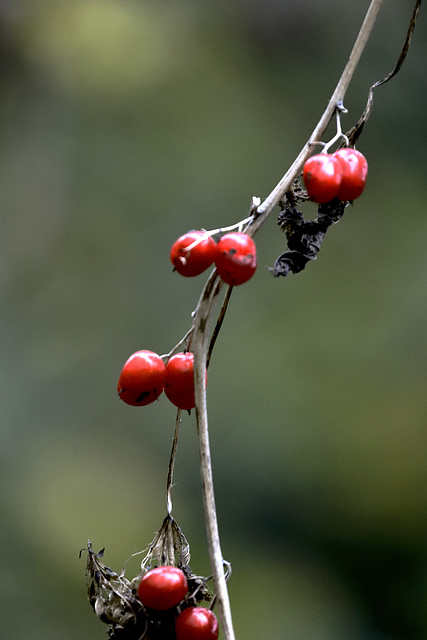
(196,623)
(235,258)
(162,588)
(354,173)
(194,261)
(142,378)
(179,380)
(322,177)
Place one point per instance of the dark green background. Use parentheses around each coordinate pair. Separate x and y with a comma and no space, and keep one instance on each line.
(124,124)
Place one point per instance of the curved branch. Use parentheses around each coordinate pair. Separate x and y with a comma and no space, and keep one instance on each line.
(203,317)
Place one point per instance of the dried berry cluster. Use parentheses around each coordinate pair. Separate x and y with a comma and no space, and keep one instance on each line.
(304,237)
(163,602)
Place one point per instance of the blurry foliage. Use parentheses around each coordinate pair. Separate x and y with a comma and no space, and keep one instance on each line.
(124,124)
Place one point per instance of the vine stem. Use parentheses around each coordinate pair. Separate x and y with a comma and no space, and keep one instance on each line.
(172,460)
(203,317)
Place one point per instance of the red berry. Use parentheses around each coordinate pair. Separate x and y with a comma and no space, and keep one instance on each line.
(162,588)
(179,380)
(322,177)
(196,260)
(235,258)
(142,378)
(354,173)
(196,623)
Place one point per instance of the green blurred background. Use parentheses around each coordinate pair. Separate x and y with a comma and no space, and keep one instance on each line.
(124,124)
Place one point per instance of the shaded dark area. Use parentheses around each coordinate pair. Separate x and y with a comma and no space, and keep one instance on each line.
(304,237)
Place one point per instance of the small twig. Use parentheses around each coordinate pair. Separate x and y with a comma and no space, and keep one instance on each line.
(184,339)
(213,232)
(339,134)
(355,131)
(218,325)
(169,483)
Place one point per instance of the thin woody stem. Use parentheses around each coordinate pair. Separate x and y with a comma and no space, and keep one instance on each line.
(169,482)
(219,324)
(203,317)
(200,344)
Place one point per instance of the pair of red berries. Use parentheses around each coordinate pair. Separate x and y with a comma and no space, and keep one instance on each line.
(165,587)
(234,256)
(339,175)
(144,377)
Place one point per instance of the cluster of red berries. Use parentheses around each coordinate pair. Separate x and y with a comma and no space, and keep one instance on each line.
(234,255)
(144,377)
(164,588)
(341,175)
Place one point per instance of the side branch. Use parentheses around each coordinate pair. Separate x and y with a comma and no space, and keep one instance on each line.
(355,131)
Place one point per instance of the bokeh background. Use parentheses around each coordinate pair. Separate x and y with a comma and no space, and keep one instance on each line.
(124,124)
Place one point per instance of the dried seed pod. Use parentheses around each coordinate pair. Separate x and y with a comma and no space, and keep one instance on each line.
(114,598)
